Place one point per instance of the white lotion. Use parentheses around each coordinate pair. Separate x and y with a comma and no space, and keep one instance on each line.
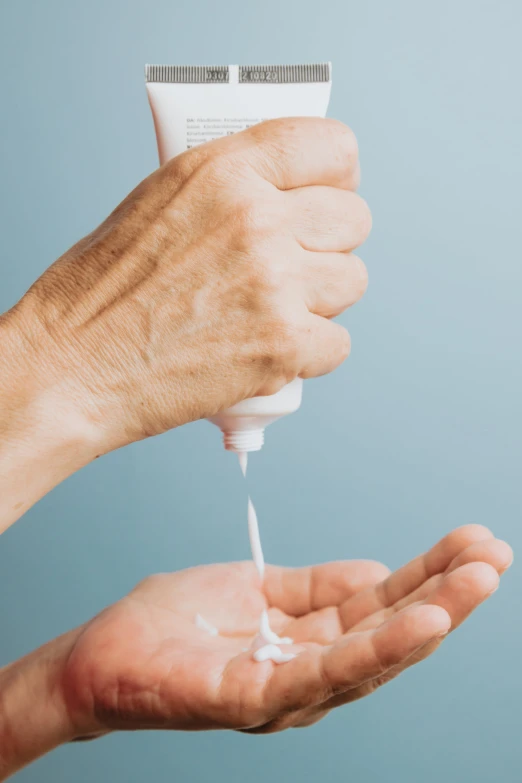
(268,635)
(195,104)
(253,527)
(255,540)
(243,462)
(270,652)
(269,649)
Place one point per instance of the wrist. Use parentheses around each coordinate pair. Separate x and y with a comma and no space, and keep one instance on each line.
(44,437)
(34,717)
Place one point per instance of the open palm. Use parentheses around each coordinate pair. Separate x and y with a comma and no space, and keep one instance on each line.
(143,663)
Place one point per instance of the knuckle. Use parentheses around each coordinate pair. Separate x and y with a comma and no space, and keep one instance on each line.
(218,165)
(281,128)
(221,167)
(343,137)
(182,166)
(281,351)
(266,128)
(257,218)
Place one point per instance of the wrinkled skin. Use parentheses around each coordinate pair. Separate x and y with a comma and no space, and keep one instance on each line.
(143,663)
(215,280)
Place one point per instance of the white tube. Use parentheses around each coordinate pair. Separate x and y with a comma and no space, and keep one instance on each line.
(195,104)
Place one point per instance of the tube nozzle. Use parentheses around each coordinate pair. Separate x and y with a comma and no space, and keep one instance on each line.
(244,440)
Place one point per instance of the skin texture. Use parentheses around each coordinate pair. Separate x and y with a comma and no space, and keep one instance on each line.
(143,663)
(214,281)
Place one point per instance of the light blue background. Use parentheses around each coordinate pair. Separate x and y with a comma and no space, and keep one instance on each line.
(419,432)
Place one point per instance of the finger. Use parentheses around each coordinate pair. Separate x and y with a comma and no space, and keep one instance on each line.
(294,152)
(411,576)
(327,345)
(326,625)
(322,627)
(464,589)
(299,591)
(435,561)
(459,593)
(319,673)
(496,553)
(333,282)
(328,219)
(370,686)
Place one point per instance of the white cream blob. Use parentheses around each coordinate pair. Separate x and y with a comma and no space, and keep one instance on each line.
(271,652)
(266,633)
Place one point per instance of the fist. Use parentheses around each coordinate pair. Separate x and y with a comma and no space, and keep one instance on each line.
(215,280)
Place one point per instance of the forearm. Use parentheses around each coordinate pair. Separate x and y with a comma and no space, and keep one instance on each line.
(33,715)
(42,438)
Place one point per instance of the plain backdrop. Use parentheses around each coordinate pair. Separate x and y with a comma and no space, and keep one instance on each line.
(420,430)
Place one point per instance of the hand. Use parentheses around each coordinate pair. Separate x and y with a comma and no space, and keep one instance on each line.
(214,281)
(143,663)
